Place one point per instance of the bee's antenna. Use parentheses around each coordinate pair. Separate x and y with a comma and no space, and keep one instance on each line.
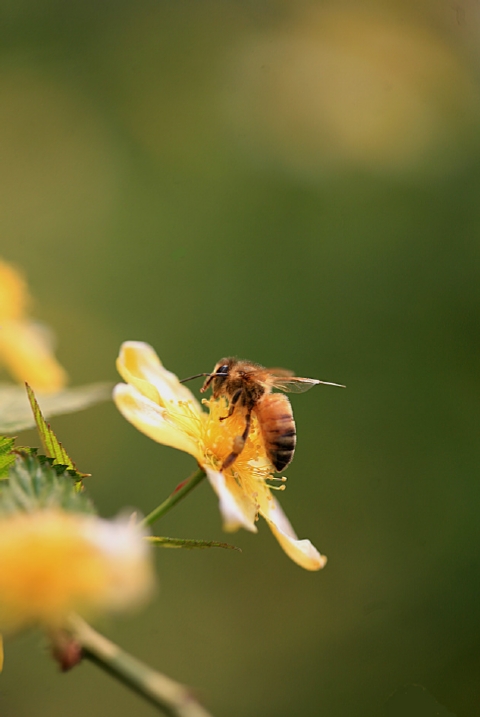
(197,375)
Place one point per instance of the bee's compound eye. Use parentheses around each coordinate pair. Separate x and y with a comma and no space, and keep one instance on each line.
(222,370)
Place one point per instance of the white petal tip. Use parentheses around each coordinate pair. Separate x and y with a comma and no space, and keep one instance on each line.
(235,513)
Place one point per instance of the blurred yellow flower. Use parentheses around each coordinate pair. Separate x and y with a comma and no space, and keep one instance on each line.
(53,563)
(340,86)
(156,403)
(24,345)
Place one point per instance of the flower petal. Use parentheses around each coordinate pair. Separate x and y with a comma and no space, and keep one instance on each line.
(301,552)
(152,420)
(14,297)
(26,351)
(236,509)
(126,551)
(139,365)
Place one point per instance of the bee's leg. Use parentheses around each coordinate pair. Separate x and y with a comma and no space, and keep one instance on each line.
(238,443)
(233,403)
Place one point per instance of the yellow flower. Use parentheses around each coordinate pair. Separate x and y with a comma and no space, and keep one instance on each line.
(53,563)
(24,345)
(156,403)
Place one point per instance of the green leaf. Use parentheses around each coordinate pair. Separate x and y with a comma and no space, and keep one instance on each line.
(34,484)
(7,458)
(163,542)
(16,414)
(52,445)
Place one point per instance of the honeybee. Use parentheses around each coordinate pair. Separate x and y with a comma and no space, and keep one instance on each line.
(248,387)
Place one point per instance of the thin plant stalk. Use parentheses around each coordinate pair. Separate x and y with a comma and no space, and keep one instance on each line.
(170,697)
(174,498)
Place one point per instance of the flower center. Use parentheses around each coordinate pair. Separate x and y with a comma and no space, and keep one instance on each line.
(252,468)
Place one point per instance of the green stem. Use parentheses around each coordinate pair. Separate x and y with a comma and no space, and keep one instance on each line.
(170,697)
(174,498)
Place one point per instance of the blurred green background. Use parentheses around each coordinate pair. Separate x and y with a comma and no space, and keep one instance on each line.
(296,183)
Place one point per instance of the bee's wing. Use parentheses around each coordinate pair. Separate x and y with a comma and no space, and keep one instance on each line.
(294,384)
(298,385)
(280,372)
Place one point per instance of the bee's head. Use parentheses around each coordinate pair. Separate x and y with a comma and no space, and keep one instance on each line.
(218,376)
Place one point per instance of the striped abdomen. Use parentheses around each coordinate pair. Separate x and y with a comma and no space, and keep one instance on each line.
(275,418)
